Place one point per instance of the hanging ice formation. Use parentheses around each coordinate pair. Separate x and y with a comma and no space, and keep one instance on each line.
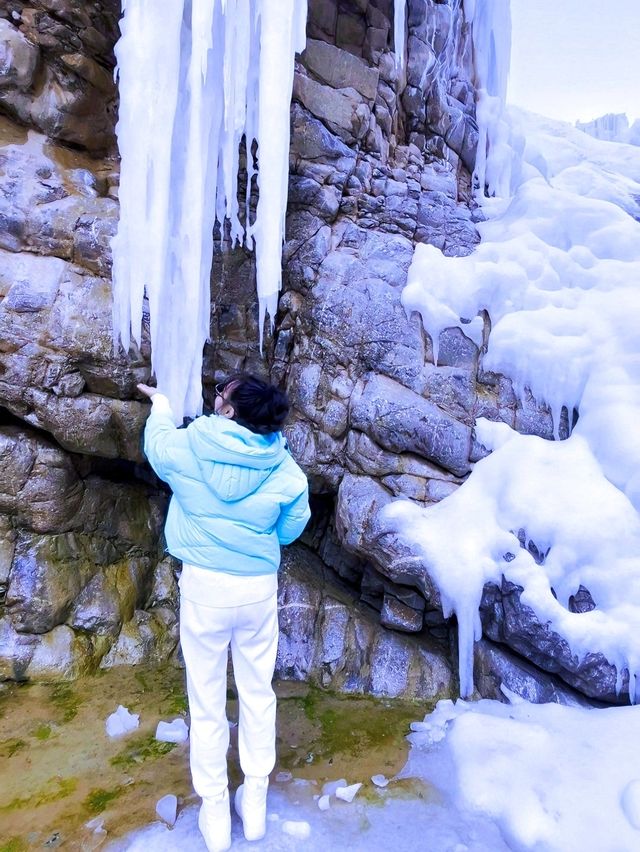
(399,13)
(491,29)
(193,81)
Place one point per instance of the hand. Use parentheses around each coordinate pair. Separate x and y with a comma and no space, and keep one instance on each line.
(147,390)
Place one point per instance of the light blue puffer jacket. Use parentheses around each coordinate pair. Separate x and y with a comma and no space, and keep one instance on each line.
(237,496)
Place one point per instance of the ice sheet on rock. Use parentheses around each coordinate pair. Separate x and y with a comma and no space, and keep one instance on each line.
(557,270)
(379,780)
(121,721)
(172,732)
(193,82)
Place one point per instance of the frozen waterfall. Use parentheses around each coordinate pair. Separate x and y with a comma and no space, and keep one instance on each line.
(491,32)
(194,81)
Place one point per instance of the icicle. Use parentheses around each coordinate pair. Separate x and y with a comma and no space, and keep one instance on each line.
(282,32)
(148,67)
(193,82)
(399,13)
(491,27)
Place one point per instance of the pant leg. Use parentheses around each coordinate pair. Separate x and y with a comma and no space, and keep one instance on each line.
(254,644)
(205,633)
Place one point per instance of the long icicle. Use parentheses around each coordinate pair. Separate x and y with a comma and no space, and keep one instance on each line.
(192,84)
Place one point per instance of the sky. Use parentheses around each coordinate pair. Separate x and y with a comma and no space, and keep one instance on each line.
(576,59)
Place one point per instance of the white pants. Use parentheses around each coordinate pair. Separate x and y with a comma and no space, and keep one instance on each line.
(206,632)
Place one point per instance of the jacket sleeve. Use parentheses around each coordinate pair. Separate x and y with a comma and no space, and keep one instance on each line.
(293,518)
(160,437)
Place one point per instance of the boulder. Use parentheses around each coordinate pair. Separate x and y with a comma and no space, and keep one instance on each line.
(56,67)
(361,531)
(400,420)
(327,637)
(340,69)
(40,487)
(506,620)
(496,667)
(18,58)
(343,111)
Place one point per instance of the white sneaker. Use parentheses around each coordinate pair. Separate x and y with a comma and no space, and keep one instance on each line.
(251,806)
(214,822)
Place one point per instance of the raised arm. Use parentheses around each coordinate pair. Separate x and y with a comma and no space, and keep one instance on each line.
(160,433)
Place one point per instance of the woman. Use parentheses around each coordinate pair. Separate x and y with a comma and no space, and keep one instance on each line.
(237,496)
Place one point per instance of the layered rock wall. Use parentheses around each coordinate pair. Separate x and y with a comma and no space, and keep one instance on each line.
(378,162)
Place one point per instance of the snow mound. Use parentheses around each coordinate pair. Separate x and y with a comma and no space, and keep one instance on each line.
(557,270)
(551,777)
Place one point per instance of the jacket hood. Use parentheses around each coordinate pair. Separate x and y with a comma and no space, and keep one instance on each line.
(234,461)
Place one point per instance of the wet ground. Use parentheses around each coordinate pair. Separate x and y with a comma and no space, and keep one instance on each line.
(59,770)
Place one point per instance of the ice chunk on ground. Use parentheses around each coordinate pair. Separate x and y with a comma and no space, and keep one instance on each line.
(329,789)
(172,732)
(324,803)
(121,721)
(379,780)
(297,828)
(167,808)
(96,825)
(348,794)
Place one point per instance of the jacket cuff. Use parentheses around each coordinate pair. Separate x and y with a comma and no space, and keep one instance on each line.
(161,403)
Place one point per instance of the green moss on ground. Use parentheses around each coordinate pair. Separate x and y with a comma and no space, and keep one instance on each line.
(65,701)
(53,790)
(140,749)
(42,732)
(368,724)
(176,700)
(98,799)
(10,747)
(15,844)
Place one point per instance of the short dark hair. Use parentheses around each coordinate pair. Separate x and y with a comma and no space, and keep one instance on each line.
(260,407)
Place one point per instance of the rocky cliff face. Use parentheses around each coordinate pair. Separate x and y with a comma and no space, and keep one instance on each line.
(378,163)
